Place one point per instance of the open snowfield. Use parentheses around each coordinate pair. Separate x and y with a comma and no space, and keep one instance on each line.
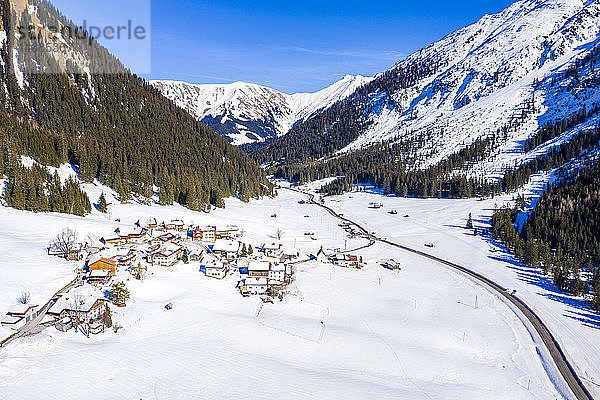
(442,223)
(425,332)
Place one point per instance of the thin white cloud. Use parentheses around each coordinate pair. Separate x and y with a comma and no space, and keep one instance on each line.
(382,54)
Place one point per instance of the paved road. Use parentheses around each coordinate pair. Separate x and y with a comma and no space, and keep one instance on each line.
(35,325)
(563,365)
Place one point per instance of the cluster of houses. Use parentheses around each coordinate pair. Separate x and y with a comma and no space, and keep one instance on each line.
(260,271)
(268,273)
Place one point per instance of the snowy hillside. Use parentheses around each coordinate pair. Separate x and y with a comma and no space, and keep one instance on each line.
(247,113)
(356,334)
(504,68)
(501,78)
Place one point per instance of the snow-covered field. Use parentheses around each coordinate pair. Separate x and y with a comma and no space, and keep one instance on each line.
(442,222)
(371,333)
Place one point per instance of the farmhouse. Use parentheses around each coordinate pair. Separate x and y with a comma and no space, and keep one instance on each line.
(18,315)
(227,249)
(113,239)
(254,286)
(269,268)
(81,304)
(98,262)
(178,225)
(391,265)
(123,256)
(168,225)
(137,236)
(161,237)
(195,254)
(347,261)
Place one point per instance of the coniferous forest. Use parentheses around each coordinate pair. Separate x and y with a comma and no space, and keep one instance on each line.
(110,124)
(562,234)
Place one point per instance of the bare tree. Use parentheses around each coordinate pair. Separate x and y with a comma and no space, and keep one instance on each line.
(65,242)
(25,298)
(279,233)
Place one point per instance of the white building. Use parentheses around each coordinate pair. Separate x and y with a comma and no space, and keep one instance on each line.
(124,256)
(347,261)
(254,286)
(83,304)
(195,254)
(229,232)
(272,249)
(206,234)
(168,255)
(215,269)
(18,315)
(270,268)
(228,249)
(178,225)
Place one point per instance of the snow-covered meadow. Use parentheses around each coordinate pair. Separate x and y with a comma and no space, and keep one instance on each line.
(442,222)
(419,333)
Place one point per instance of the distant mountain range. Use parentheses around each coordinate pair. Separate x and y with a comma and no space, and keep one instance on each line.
(248,113)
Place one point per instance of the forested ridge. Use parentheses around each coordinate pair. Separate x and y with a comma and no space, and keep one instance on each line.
(111,124)
(562,234)
(388,166)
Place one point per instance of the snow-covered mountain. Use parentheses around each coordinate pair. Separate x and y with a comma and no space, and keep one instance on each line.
(247,113)
(508,70)
(490,73)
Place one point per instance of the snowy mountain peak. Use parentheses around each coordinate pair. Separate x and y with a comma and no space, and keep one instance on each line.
(247,112)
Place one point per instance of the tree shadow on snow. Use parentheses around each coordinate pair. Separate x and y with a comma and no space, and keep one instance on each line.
(581,312)
(535,277)
(588,319)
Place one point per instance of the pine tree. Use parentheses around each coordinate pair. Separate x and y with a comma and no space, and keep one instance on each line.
(546,258)
(578,287)
(532,255)
(138,272)
(107,316)
(595,302)
(102,206)
(185,257)
(560,278)
(470,222)
(118,294)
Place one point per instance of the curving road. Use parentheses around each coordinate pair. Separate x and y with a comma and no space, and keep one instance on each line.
(558,356)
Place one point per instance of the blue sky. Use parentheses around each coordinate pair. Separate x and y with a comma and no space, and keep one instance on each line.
(292,46)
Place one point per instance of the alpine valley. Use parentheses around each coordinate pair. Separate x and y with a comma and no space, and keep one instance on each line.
(431,232)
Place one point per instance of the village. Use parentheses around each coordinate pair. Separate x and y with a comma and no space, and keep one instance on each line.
(105,263)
